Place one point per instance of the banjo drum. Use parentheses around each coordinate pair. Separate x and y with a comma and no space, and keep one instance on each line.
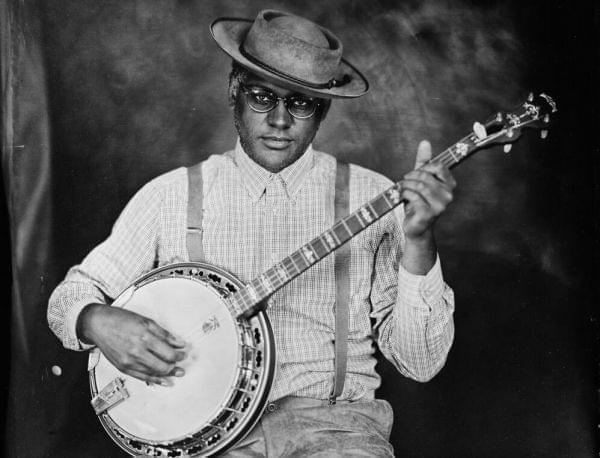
(229,368)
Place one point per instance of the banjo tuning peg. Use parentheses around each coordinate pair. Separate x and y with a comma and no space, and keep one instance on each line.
(479,130)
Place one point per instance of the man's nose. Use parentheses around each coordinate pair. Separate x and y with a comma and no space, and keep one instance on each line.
(279,116)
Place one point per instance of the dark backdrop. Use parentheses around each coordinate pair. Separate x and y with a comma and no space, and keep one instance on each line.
(106,95)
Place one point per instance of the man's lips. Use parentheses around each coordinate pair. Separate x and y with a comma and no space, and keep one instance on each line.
(276,142)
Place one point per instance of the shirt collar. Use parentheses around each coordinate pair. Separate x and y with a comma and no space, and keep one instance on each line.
(256,178)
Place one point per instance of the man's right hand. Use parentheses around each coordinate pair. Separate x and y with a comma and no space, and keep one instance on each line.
(134,344)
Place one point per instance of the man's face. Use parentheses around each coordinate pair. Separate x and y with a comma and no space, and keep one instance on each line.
(275,139)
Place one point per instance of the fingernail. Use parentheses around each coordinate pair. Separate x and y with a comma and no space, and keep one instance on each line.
(178,341)
(166,382)
(179,372)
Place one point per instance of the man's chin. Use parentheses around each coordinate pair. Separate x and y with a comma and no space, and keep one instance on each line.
(275,160)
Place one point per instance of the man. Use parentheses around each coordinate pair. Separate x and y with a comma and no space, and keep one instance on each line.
(261,201)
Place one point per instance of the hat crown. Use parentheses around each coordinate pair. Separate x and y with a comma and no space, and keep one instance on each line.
(293,46)
(302,29)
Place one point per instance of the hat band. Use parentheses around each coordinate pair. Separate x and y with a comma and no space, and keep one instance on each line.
(328,85)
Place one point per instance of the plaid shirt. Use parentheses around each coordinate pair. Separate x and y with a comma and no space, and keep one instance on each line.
(252,219)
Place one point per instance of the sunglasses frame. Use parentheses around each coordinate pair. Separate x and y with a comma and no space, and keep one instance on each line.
(248,93)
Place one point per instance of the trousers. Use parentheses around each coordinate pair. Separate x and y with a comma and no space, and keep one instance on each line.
(296,426)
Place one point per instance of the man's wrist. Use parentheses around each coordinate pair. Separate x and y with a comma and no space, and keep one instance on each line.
(84,320)
(420,253)
(421,241)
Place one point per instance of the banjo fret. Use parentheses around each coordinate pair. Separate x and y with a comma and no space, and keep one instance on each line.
(273,278)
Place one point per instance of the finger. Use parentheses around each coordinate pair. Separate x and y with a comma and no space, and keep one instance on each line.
(413,199)
(163,350)
(418,209)
(149,379)
(423,154)
(428,185)
(143,360)
(165,335)
(155,366)
(435,197)
(426,177)
(440,172)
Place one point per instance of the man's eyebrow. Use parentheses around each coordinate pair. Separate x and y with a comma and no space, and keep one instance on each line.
(259,86)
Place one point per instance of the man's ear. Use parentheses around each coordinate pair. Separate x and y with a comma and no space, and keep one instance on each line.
(232,92)
(237,76)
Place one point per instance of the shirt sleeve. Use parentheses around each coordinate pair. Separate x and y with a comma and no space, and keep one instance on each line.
(110,268)
(413,313)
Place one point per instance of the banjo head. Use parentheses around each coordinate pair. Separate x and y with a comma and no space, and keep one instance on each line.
(228,368)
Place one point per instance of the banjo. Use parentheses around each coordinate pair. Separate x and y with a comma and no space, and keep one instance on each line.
(231,350)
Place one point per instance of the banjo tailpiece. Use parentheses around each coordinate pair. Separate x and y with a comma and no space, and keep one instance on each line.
(111,395)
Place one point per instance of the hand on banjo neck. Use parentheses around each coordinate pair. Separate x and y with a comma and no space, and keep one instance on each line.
(134,344)
(426,192)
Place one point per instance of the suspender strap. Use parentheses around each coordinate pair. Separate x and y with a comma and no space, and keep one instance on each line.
(194,213)
(342,283)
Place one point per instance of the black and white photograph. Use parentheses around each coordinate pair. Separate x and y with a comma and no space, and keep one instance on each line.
(300,228)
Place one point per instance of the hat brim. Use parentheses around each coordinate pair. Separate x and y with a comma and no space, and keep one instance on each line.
(229,33)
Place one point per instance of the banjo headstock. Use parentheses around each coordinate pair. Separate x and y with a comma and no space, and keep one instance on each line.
(504,128)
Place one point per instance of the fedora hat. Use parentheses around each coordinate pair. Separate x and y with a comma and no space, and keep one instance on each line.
(292,51)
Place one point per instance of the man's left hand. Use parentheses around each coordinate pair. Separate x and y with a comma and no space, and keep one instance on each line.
(427,190)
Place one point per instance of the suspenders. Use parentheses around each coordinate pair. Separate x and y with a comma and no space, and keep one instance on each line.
(342,260)
(342,283)
(194,213)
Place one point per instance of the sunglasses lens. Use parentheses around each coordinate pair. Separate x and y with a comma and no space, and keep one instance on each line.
(262,101)
(302,107)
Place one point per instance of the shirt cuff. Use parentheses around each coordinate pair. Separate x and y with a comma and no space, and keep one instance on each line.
(421,291)
(71,325)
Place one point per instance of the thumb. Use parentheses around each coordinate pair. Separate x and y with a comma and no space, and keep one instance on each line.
(423,154)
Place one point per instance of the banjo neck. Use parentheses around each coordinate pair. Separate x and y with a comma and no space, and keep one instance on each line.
(500,129)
